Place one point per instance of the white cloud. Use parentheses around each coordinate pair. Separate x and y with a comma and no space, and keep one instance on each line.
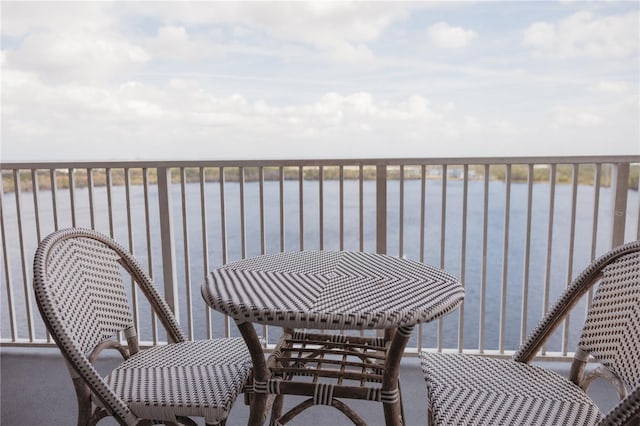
(348,52)
(20,18)
(172,35)
(76,121)
(474,126)
(174,42)
(448,37)
(585,35)
(339,29)
(611,87)
(541,35)
(568,116)
(70,55)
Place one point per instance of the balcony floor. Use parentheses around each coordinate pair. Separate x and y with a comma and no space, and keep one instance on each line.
(36,390)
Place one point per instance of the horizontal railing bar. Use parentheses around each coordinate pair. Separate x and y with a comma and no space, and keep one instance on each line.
(452,161)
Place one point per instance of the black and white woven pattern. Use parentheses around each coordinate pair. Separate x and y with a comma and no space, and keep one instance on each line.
(78,282)
(200,378)
(85,281)
(332,290)
(475,390)
(81,297)
(611,333)
(464,389)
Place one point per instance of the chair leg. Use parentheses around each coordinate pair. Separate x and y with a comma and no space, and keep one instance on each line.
(83,396)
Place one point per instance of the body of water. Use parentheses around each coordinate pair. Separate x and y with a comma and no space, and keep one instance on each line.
(481,274)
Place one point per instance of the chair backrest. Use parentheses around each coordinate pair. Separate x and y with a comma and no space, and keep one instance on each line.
(81,292)
(82,299)
(611,332)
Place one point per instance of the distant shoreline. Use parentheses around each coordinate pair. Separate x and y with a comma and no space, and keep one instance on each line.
(519,174)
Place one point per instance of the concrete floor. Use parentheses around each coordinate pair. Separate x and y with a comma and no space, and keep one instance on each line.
(36,390)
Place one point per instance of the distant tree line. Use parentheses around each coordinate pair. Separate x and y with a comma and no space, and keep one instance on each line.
(137,176)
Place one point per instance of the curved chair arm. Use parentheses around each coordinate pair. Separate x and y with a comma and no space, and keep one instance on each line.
(578,287)
(626,413)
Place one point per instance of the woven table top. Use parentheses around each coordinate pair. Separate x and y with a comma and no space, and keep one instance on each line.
(332,290)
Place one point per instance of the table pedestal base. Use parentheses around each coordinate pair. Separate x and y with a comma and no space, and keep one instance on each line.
(327,368)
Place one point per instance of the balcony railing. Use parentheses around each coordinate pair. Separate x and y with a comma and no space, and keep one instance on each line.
(515,230)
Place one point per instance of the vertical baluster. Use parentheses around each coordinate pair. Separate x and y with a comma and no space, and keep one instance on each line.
(505,259)
(167,239)
(130,237)
(54,189)
(463,252)
(187,254)
(321,205)
(263,248)
(301,204)
(483,278)
(35,191)
(620,190)
(401,214)
(423,198)
(205,243)
(72,196)
(223,215)
(443,227)
(23,260)
(443,214)
(572,233)
(90,191)
(265,329)
(13,325)
(361,204)
(423,208)
(341,183)
(243,226)
(381,209)
(109,184)
(147,217)
(281,203)
(548,257)
(594,229)
(527,255)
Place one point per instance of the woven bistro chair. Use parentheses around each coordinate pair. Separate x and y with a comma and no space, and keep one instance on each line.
(475,390)
(78,280)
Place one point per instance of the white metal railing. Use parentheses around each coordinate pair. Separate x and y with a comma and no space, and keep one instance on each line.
(515,230)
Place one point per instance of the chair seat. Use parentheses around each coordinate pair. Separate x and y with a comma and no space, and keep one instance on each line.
(196,378)
(470,390)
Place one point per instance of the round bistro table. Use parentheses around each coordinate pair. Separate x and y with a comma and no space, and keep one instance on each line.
(327,290)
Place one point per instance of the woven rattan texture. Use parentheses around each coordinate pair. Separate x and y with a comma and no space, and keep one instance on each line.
(72,290)
(464,389)
(474,390)
(612,329)
(85,286)
(329,361)
(201,378)
(81,296)
(332,290)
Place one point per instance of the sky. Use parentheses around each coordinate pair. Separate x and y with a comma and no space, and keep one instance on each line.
(272,80)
